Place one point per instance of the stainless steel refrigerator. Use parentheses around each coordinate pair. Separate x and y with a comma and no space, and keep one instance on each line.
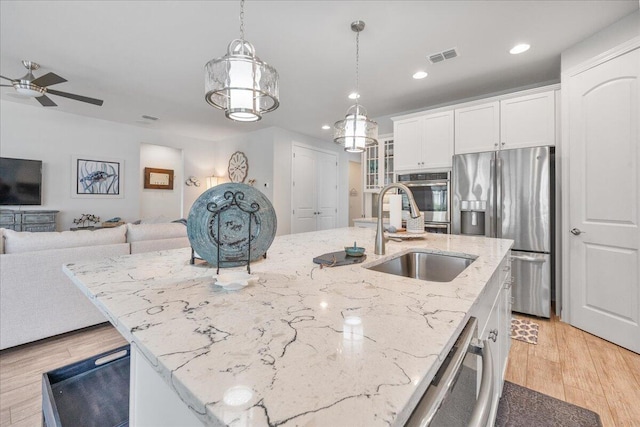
(509,194)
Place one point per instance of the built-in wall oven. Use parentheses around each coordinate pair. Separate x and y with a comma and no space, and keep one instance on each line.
(431,191)
(460,394)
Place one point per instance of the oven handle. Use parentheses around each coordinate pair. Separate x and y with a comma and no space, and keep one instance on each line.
(426,184)
(435,225)
(482,409)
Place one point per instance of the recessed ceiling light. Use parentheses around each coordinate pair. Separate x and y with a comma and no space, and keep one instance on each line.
(326,127)
(354,95)
(519,48)
(420,75)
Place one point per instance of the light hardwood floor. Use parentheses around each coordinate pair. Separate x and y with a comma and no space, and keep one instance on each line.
(577,367)
(567,363)
(21,370)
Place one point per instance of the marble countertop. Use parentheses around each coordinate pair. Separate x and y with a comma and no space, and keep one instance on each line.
(305,345)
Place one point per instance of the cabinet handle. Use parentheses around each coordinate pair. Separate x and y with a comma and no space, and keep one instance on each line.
(503,143)
(495,145)
(493,335)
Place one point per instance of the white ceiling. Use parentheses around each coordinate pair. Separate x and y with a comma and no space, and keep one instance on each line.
(147,57)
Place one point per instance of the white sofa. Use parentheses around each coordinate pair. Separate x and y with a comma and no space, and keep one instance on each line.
(37,300)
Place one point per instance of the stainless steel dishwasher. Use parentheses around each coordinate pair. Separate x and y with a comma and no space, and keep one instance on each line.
(454,397)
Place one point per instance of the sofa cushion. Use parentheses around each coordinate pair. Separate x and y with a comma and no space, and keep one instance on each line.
(159,245)
(23,241)
(169,230)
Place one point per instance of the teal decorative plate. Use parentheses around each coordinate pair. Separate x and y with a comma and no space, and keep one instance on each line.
(231,218)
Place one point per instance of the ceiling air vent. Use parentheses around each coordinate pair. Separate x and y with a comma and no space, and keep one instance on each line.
(449,54)
(436,58)
(441,56)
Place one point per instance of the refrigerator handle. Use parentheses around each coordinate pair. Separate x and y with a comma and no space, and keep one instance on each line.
(499,184)
(491,205)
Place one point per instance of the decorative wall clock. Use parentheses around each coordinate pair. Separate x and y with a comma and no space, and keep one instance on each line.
(238,167)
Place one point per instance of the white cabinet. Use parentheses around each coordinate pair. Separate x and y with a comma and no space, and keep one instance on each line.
(493,311)
(528,121)
(518,122)
(477,128)
(424,142)
(378,161)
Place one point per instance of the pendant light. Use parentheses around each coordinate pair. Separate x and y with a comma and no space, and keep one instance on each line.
(356,131)
(240,83)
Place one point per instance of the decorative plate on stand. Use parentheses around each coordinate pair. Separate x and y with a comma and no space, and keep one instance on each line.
(231,218)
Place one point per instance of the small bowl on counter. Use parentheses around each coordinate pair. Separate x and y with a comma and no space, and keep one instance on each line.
(354,250)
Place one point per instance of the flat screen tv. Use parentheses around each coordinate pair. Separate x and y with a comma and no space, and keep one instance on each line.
(20,181)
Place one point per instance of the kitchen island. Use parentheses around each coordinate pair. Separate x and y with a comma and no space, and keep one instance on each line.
(341,346)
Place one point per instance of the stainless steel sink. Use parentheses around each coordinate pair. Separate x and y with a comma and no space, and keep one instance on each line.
(425,266)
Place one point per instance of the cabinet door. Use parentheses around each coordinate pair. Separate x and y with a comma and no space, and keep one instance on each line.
(528,121)
(437,140)
(494,337)
(477,128)
(371,166)
(407,136)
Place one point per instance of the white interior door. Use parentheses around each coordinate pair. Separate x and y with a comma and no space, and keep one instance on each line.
(314,190)
(604,199)
(327,190)
(303,189)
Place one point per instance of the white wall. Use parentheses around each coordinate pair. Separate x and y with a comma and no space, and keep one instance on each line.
(35,132)
(282,146)
(161,203)
(269,154)
(617,33)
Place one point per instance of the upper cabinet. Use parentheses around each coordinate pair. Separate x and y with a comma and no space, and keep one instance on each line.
(477,128)
(424,142)
(523,121)
(528,121)
(378,160)
(429,139)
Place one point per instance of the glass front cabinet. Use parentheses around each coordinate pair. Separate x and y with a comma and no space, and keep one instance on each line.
(378,164)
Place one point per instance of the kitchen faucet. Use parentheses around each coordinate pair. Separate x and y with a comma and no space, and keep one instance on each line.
(413,211)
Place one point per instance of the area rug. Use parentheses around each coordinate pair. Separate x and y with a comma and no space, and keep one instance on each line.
(524,330)
(522,407)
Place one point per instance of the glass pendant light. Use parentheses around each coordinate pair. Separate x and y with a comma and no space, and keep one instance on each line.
(240,83)
(356,131)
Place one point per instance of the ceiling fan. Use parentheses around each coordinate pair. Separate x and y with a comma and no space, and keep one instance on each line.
(38,88)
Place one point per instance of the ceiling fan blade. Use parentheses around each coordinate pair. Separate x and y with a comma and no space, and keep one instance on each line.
(7,78)
(76,97)
(46,101)
(48,80)
(6,85)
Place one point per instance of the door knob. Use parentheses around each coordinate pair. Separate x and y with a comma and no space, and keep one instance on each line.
(577,231)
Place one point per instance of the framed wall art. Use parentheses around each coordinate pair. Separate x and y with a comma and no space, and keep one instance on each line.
(158,179)
(96,177)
